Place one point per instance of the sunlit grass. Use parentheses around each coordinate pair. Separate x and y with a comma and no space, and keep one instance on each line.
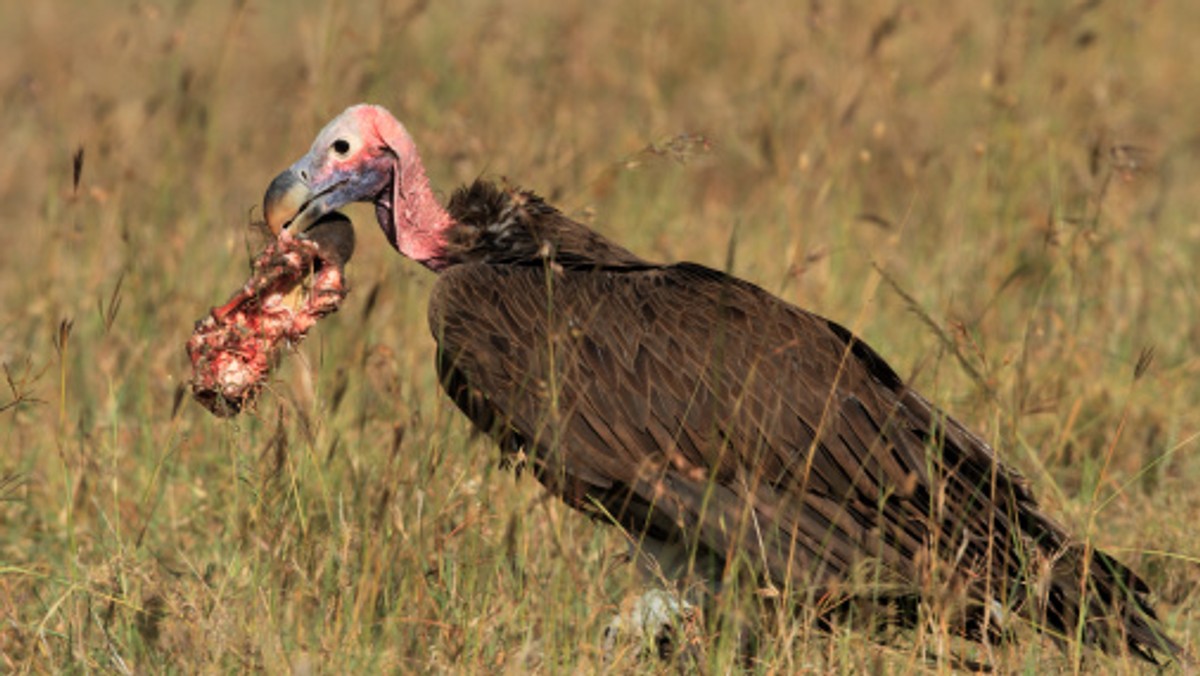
(1026,176)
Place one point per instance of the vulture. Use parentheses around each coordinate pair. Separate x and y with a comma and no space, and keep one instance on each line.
(706,416)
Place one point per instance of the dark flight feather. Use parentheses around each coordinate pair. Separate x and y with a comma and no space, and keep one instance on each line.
(693,406)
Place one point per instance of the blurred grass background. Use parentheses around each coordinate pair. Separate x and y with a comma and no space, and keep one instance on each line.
(1001,197)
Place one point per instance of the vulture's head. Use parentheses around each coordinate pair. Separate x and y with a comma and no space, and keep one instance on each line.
(363,155)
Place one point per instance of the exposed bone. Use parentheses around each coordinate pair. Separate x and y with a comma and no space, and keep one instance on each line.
(235,347)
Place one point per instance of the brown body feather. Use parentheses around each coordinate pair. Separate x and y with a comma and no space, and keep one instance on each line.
(695,407)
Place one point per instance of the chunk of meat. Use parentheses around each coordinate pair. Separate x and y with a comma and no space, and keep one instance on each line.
(234,348)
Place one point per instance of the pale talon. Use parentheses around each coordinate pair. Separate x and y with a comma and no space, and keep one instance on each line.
(657,624)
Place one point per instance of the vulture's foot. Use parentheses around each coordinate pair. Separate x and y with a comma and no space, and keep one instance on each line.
(659,624)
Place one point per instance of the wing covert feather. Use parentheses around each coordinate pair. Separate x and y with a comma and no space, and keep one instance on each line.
(618,380)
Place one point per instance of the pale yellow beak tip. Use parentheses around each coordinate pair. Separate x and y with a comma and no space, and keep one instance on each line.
(284,199)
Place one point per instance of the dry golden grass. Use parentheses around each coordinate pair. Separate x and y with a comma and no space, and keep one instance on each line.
(1026,172)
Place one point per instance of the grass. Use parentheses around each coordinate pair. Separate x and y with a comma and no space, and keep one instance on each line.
(999,196)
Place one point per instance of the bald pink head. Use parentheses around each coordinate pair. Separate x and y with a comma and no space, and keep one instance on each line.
(366,155)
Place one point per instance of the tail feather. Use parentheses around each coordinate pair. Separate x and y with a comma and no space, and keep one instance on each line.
(1103,603)
(1071,591)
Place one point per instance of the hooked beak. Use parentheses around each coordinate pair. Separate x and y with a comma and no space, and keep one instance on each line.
(290,203)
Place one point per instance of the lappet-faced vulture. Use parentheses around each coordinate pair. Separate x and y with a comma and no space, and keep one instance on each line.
(706,416)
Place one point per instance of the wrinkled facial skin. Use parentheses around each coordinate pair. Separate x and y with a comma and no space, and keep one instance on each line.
(235,347)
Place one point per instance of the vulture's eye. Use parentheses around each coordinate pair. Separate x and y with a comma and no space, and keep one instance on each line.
(341,146)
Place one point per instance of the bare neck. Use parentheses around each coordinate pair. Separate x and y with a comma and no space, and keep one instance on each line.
(417,224)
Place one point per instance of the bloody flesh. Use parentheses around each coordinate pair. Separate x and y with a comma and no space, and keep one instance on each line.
(235,347)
